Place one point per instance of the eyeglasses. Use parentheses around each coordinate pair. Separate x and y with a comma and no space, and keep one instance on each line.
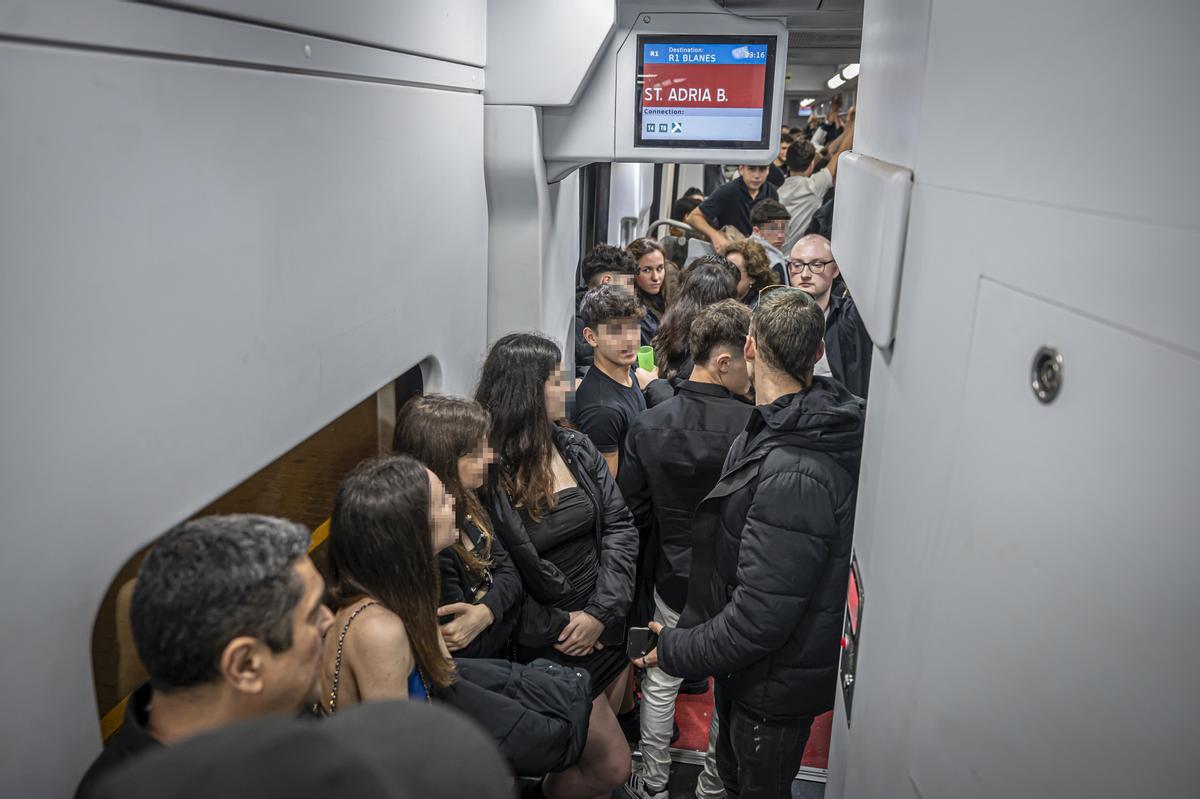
(816,267)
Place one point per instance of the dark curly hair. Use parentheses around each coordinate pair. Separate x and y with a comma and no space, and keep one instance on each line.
(606,258)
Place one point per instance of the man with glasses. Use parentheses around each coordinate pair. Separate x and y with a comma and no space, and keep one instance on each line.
(769,221)
(847,356)
(730,204)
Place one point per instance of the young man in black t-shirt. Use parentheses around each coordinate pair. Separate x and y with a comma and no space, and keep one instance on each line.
(604,265)
(609,397)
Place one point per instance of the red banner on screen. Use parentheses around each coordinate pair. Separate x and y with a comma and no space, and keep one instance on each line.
(703,85)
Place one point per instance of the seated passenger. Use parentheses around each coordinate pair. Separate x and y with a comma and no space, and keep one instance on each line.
(568,531)
(848,347)
(654,284)
(610,396)
(604,264)
(480,589)
(227,616)
(770,220)
(673,457)
(807,184)
(390,519)
(730,204)
(354,755)
(706,280)
(753,267)
(771,556)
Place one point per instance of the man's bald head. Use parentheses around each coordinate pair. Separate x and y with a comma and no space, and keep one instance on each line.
(816,279)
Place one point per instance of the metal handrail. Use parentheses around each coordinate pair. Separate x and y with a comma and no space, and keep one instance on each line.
(673,223)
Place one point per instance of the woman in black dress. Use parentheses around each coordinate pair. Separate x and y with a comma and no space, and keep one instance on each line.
(480,589)
(565,525)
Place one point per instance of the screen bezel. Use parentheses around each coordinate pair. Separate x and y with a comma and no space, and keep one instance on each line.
(768,107)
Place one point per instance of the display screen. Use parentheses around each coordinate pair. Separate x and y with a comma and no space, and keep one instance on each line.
(705,91)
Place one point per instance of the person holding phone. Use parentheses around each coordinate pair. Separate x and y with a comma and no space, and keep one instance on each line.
(673,458)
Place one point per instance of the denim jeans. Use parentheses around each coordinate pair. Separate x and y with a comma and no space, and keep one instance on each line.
(758,759)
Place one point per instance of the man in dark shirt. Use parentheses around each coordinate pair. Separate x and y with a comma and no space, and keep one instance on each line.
(610,397)
(605,264)
(730,204)
(228,618)
(778,170)
(673,458)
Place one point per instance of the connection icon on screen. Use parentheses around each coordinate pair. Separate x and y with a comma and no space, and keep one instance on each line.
(649,127)
(677,127)
(662,127)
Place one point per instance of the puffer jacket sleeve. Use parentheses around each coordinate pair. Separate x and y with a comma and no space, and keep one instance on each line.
(618,542)
(785,544)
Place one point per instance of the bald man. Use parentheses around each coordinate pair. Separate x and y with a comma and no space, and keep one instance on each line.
(812,268)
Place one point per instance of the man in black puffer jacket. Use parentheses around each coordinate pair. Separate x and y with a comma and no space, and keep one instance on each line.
(771,556)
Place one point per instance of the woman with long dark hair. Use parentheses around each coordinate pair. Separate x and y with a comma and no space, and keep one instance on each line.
(706,280)
(481,591)
(390,518)
(566,527)
(654,283)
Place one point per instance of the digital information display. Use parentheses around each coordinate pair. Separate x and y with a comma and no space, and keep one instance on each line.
(705,91)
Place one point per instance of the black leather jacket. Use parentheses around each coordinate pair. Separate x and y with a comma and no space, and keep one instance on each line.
(545,584)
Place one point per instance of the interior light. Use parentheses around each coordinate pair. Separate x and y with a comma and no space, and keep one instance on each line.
(806,102)
(850,72)
(834,82)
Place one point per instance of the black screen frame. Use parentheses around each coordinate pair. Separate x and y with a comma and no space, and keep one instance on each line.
(764,140)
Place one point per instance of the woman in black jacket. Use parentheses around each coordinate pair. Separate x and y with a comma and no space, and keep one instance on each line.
(480,589)
(654,283)
(566,527)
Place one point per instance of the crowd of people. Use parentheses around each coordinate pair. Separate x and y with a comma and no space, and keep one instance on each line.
(496,562)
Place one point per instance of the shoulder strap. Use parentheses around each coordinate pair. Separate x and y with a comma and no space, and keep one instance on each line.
(337,664)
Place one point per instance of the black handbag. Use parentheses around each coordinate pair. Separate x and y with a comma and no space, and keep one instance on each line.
(537,713)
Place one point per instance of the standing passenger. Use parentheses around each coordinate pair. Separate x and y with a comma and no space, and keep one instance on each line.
(751,260)
(730,204)
(604,264)
(673,458)
(770,220)
(654,284)
(480,589)
(708,279)
(807,184)
(609,398)
(568,531)
(771,556)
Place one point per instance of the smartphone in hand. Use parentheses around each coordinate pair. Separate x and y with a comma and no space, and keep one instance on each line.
(641,642)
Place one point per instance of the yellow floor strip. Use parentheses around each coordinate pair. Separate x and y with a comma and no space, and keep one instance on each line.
(112,720)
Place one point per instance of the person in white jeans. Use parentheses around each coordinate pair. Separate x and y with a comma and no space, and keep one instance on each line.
(659,691)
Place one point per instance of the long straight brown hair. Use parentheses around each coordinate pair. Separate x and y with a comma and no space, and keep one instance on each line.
(641,247)
(438,430)
(380,546)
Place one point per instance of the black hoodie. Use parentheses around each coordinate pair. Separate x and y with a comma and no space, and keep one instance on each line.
(771,557)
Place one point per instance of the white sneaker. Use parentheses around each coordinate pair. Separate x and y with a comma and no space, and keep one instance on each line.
(637,787)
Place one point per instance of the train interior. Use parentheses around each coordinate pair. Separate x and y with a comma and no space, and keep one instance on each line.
(239,234)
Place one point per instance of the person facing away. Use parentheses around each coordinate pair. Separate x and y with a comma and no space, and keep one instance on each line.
(561,517)
(770,220)
(227,616)
(604,265)
(708,279)
(673,457)
(654,284)
(730,204)
(771,556)
(391,516)
(753,267)
(803,192)
(481,591)
(610,397)
(848,347)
